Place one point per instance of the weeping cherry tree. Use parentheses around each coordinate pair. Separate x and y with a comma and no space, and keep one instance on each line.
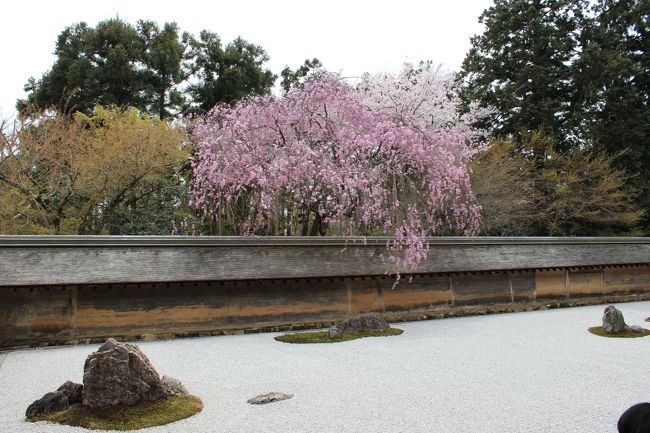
(320,160)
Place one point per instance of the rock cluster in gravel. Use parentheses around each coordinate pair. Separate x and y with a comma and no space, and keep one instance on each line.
(116,374)
(360,322)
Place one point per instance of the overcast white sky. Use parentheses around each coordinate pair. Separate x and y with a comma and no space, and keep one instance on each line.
(350,36)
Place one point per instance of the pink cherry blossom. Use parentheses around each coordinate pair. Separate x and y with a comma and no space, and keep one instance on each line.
(325,155)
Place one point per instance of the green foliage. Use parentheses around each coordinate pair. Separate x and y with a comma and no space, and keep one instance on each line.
(163,55)
(533,189)
(615,87)
(63,174)
(113,63)
(573,69)
(143,415)
(154,69)
(321,336)
(292,79)
(154,207)
(522,66)
(226,74)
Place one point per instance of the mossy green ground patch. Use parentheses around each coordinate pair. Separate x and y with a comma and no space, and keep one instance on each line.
(129,417)
(321,336)
(598,330)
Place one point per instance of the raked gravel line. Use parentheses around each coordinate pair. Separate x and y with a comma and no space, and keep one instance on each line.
(513,373)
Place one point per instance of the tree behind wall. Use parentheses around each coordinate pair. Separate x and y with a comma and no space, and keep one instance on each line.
(318,161)
(62,174)
(152,68)
(614,74)
(226,74)
(576,70)
(113,63)
(38,179)
(503,182)
(522,66)
(532,189)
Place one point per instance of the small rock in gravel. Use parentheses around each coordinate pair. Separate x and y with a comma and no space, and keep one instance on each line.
(173,386)
(613,320)
(269,398)
(637,329)
(49,403)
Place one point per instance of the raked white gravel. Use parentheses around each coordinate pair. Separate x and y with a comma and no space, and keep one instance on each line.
(511,373)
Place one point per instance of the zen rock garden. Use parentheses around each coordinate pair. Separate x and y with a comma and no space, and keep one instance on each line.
(614,326)
(121,389)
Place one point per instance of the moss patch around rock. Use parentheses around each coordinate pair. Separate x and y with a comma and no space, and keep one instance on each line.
(598,330)
(321,336)
(136,417)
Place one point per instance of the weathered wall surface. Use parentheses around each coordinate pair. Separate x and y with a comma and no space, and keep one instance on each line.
(49,260)
(60,314)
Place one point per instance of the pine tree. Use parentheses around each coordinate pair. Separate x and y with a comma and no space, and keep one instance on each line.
(522,66)
(614,82)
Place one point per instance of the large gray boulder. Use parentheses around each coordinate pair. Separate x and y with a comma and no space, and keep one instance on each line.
(360,322)
(119,373)
(613,321)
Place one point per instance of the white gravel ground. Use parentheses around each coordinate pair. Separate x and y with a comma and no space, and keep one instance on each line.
(512,373)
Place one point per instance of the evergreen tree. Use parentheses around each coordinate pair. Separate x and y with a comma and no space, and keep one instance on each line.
(226,74)
(94,66)
(522,66)
(163,55)
(578,71)
(145,66)
(296,79)
(614,82)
